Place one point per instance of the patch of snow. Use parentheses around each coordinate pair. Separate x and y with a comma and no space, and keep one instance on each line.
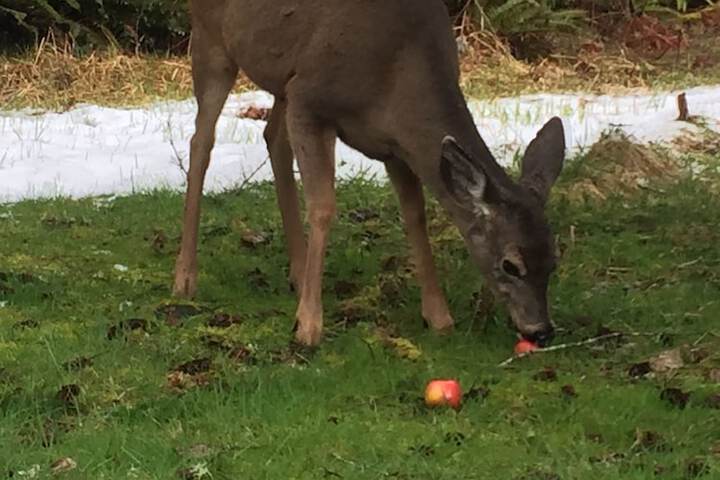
(92,151)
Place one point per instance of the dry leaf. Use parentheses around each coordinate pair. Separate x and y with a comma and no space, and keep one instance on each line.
(252,239)
(255,113)
(667,361)
(63,465)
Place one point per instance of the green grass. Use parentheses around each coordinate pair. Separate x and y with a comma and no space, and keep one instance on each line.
(647,264)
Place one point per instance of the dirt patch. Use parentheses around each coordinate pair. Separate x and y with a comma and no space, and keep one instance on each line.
(617,165)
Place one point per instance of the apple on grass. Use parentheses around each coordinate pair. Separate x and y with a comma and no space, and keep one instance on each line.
(443,392)
(525,346)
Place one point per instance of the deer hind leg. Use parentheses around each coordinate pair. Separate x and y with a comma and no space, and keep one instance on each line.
(213,77)
(412,204)
(314,145)
(281,157)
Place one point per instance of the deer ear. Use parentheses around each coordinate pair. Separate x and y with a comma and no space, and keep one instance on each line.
(464,180)
(543,160)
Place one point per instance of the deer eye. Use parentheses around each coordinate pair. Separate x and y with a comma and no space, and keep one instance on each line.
(511,269)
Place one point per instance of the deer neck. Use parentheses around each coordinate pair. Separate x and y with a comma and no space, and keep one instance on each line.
(421,150)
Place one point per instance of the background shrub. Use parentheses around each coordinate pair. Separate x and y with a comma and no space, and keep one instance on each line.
(162,25)
(127,24)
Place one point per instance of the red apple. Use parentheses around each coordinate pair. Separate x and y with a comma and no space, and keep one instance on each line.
(525,346)
(443,392)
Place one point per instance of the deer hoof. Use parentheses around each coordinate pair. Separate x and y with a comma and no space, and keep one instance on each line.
(439,317)
(442,325)
(308,334)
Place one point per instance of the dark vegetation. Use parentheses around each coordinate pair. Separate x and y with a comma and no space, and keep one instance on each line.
(162,25)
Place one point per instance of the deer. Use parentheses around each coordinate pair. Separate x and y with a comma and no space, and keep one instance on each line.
(384,78)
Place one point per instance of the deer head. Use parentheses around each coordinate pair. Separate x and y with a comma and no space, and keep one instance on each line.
(508,235)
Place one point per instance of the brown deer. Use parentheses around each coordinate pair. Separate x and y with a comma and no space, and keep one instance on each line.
(383,77)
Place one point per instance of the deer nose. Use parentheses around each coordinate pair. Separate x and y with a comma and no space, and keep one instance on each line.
(542,338)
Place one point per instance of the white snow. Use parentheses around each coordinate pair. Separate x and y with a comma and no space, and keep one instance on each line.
(91,150)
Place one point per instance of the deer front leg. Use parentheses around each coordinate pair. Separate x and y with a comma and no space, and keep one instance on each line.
(213,77)
(281,157)
(314,145)
(412,205)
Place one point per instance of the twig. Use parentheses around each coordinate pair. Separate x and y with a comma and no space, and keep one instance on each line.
(690,263)
(178,158)
(248,178)
(564,346)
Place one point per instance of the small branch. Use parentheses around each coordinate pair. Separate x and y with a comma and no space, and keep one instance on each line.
(249,178)
(563,346)
(178,158)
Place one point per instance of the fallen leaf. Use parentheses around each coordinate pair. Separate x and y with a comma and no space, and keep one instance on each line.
(255,113)
(675,397)
(174,314)
(361,215)
(696,468)
(258,279)
(697,355)
(667,361)
(423,450)
(252,239)
(193,367)
(68,394)
(608,458)
(32,472)
(714,375)
(132,324)
(479,393)
(78,363)
(62,465)
(639,370)
(568,391)
(548,374)
(648,440)
(224,320)
(199,451)
(179,381)
(242,354)
(715,449)
(158,241)
(26,324)
(343,288)
(455,438)
(713,401)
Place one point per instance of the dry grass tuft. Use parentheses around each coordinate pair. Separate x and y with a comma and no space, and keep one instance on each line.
(705,142)
(591,63)
(54,78)
(616,165)
(489,69)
